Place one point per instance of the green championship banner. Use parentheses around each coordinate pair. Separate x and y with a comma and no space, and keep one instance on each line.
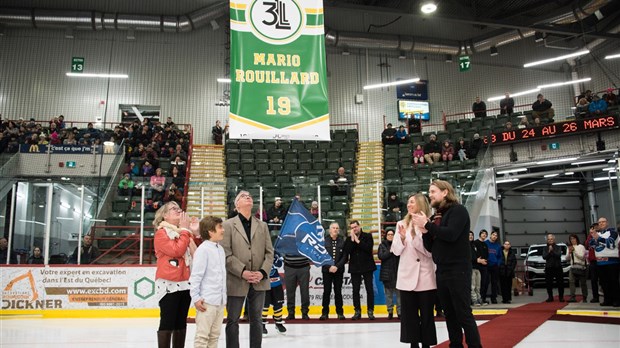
(277,68)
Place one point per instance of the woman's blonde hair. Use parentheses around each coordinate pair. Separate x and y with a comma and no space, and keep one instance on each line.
(422,203)
(159,215)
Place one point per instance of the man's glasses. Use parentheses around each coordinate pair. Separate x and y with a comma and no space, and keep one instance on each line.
(176,209)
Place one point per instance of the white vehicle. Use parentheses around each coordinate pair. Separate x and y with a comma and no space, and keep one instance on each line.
(535,264)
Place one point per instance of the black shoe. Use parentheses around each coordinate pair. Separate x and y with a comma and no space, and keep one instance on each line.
(605,304)
(561,298)
(371,315)
(323,317)
(390,316)
(305,316)
(572,299)
(616,304)
(550,299)
(341,317)
(595,300)
(281,329)
(290,317)
(493,301)
(265,332)
(357,315)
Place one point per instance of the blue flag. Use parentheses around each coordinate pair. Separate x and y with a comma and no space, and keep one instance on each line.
(302,234)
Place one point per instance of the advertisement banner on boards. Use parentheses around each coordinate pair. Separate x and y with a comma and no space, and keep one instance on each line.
(278,70)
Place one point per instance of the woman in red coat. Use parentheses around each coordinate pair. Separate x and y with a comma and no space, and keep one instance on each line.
(174,247)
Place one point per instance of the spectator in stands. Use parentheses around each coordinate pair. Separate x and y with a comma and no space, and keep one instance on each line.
(432,150)
(479,108)
(178,151)
(582,109)
(358,249)
(476,146)
(507,105)
(276,213)
(495,254)
(587,95)
(388,136)
(126,185)
(165,151)
(88,253)
(6,253)
(173,193)
(147,169)
(37,257)
(401,135)
(416,280)
(388,272)
(217,133)
(542,108)
(462,149)
(178,178)
(61,122)
(132,169)
(333,275)
(4,142)
(418,155)
(610,97)
(158,185)
(607,261)
(92,132)
(393,208)
(257,214)
(150,154)
(170,123)
(598,107)
(340,183)
(314,209)
(577,256)
(174,248)
(447,151)
(508,126)
(43,139)
(507,266)
(476,298)
(552,255)
(593,267)
(524,123)
(179,162)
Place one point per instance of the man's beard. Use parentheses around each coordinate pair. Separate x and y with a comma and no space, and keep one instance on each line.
(435,204)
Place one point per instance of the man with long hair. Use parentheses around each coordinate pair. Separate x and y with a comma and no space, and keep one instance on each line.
(447,238)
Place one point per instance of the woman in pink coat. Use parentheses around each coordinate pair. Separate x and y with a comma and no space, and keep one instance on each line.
(416,278)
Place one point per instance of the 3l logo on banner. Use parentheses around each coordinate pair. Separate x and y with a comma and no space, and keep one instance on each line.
(278,74)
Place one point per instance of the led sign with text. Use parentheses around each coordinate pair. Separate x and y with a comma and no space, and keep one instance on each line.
(551,130)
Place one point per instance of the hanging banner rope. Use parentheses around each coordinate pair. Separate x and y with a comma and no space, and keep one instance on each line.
(278,73)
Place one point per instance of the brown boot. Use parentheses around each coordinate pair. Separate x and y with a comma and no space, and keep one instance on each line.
(178,338)
(163,338)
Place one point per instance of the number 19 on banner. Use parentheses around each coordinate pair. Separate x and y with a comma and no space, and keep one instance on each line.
(284,106)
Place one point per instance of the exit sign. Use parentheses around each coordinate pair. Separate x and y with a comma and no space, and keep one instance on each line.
(77,64)
(70,164)
(554,146)
(464,63)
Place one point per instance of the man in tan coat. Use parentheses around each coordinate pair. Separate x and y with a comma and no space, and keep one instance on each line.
(249,256)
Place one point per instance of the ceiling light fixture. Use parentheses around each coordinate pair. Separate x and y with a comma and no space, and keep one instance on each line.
(609,170)
(566,56)
(538,36)
(395,83)
(588,162)
(569,173)
(428,7)
(473,193)
(494,51)
(557,84)
(529,91)
(110,76)
(448,58)
(613,56)
(606,178)
(506,180)
(223,80)
(565,183)
(557,160)
(346,52)
(551,175)
(516,170)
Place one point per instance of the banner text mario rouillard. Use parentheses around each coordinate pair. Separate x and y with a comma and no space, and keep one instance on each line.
(277,77)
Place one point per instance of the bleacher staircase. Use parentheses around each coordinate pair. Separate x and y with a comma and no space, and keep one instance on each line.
(207,171)
(364,201)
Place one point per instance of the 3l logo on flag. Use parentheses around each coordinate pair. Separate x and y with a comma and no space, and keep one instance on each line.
(278,73)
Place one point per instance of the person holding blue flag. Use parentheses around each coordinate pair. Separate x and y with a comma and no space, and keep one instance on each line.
(301,240)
